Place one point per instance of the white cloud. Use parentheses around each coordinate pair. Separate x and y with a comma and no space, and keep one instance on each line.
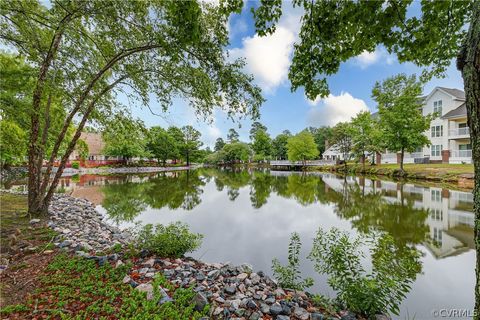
(268,58)
(380,55)
(334,109)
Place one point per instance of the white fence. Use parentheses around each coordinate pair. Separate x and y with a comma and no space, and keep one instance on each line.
(300,163)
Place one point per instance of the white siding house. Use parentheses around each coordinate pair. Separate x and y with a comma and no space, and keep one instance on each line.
(449,134)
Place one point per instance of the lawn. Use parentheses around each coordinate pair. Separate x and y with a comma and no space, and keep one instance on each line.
(431,168)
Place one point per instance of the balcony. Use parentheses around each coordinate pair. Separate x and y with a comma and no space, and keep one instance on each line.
(461,154)
(459,132)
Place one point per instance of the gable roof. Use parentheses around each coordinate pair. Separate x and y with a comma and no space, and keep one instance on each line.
(459,112)
(94,141)
(457,93)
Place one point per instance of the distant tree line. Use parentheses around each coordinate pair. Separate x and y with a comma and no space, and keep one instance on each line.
(399,126)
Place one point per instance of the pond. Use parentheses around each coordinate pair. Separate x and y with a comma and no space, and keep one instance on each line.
(248,216)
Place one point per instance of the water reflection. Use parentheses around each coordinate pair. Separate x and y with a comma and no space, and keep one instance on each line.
(248,216)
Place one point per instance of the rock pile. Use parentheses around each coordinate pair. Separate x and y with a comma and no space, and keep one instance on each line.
(81,227)
(234,292)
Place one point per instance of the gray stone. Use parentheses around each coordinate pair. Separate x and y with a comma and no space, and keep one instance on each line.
(213,274)
(255,316)
(317,316)
(270,300)
(146,287)
(282,317)
(200,301)
(275,309)
(34,221)
(230,290)
(126,279)
(301,313)
(164,297)
(251,304)
(65,243)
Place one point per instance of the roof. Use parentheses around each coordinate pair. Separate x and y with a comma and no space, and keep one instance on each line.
(457,93)
(94,141)
(459,112)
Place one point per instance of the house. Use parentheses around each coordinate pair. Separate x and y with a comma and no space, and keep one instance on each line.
(333,153)
(449,134)
(95,157)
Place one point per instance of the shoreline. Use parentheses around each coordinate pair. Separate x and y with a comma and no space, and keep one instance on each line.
(460,180)
(231,291)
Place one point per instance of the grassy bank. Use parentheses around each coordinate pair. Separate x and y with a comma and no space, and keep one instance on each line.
(460,174)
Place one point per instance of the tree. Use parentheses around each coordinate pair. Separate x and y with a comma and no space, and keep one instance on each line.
(219,143)
(401,120)
(178,138)
(365,135)
(302,147)
(16,81)
(321,135)
(256,126)
(232,135)
(342,138)
(360,26)
(236,151)
(191,142)
(82,149)
(12,143)
(124,137)
(262,144)
(279,145)
(86,51)
(161,145)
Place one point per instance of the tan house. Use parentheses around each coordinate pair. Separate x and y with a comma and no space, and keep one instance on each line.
(95,150)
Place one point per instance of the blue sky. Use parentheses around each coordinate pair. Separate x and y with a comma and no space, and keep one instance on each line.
(268,59)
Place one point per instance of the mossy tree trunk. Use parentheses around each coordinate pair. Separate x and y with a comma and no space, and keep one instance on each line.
(468,63)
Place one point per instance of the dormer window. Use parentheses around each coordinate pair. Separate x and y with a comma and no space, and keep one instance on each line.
(437,107)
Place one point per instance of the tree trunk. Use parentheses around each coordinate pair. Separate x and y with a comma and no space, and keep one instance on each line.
(468,62)
(401,159)
(363,161)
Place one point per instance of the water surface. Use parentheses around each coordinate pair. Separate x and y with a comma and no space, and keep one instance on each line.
(249,216)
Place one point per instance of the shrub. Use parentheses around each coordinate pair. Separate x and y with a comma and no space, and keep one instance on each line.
(75,165)
(172,241)
(289,276)
(378,291)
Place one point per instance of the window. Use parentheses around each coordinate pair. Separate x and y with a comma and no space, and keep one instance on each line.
(437,107)
(437,214)
(437,131)
(462,125)
(436,150)
(436,195)
(467,146)
(437,236)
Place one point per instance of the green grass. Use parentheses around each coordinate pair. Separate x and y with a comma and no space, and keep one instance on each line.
(76,288)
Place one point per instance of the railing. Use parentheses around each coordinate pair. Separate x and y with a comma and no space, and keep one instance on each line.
(300,163)
(459,131)
(416,155)
(389,156)
(461,153)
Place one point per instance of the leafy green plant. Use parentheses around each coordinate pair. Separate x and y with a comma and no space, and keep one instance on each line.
(289,276)
(173,240)
(70,280)
(75,165)
(378,291)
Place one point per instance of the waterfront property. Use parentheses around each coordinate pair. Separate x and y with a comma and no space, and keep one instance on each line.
(449,134)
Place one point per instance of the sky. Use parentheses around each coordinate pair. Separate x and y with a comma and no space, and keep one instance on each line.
(268,59)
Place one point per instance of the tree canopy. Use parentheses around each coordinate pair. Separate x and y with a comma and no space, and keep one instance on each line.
(302,147)
(402,122)
(86,52)
(125,137)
